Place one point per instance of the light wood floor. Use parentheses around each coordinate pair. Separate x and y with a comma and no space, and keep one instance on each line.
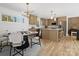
(65,47)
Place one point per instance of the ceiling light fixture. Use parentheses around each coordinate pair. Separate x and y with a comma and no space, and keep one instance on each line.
(28,11)
(53,16)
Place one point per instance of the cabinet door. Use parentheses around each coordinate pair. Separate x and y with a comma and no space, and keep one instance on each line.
(53,36)
(61,19)
(45,22)
(63,23)
(32,20)
(50,21)
(45,34)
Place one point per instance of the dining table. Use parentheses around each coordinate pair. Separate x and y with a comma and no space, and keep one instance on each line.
(30,35)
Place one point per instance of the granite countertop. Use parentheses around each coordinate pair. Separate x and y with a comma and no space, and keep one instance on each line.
(53,28)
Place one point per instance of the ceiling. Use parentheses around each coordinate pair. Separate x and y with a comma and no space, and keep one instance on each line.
(43,10)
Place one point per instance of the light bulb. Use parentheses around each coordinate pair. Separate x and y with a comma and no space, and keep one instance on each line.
(60,23)
(51,17)
(54,18)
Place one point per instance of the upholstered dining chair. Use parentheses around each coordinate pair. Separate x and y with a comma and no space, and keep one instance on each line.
(3,39)
(37,37)
(18,43)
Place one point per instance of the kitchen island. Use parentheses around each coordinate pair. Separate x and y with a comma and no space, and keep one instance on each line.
(52,34)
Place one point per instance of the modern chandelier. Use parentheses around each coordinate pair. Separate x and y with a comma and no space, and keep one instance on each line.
(28,11)
(53,16)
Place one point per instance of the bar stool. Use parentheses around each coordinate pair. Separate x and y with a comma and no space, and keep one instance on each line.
(61,34)
(73,33)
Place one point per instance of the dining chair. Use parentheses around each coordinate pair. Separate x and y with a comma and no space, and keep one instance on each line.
(3,39)
(36,37)
(18,43)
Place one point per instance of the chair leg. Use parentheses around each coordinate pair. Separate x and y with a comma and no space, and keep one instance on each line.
(40,42)
(22,52)
(10,50)
(7,42)
(14,50)
(1,47)
(18,52)
(31,42)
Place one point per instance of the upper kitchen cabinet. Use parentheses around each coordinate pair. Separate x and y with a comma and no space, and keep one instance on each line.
(73,22)
(47,22)
(50,21)
(32,20)
(61,19)
(44,22)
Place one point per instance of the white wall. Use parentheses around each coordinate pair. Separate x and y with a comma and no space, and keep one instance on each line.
(12,26)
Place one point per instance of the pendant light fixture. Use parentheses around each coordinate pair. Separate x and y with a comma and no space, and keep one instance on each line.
(28,11)
(53,16)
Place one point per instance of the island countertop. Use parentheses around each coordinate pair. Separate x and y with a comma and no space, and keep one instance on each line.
(51,33)
(52,29)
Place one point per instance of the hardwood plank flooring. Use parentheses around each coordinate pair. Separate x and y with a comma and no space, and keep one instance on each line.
(65,47)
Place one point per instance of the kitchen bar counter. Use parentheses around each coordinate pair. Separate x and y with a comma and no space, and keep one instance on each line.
(52,28)
(52,34)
